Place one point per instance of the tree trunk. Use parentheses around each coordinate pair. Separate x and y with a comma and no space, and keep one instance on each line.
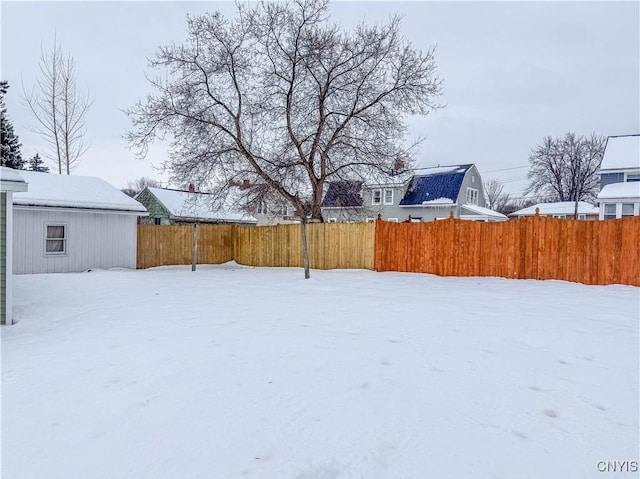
(194,253)
(305,247)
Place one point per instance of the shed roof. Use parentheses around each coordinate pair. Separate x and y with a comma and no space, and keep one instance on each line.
(341,194)
(486,212)
(190,206)
(622,152)
(10,180)
(630,189)
(71,191)
(440,186)
(558,208)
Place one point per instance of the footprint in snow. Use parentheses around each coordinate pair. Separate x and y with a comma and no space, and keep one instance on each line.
(550,413)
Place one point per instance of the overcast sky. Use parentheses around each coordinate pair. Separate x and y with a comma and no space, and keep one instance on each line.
(513,73)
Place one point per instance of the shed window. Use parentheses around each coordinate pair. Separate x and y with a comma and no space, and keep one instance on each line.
(56,241)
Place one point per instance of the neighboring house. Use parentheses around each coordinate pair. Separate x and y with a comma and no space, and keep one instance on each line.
(434,194)
(170,207)
(618,200)
(72,223)
(560,209)
(621,160)
(265,206)
(620,177)
(10,182)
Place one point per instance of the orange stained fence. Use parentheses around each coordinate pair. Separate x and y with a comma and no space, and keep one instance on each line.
(589,252)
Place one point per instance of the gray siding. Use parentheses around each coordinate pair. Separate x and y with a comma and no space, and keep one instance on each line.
(472,179)
(94,240)
(3,258)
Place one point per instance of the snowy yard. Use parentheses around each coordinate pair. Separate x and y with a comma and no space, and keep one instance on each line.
(235,372)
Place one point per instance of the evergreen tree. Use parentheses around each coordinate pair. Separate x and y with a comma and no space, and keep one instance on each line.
(11,155)
(36,164)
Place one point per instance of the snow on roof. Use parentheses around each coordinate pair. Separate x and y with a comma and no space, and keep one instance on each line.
(8,174)
(630,189)
(484,211)
(622,152)
(10,180)
(71,191)
(444,169)
(196,206)
(558,208)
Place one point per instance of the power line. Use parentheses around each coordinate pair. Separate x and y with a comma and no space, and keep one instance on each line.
(506,169)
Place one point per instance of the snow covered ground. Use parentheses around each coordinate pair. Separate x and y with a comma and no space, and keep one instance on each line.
(234,372)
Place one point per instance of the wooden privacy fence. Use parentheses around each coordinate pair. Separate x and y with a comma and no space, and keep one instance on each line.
(331,245)
(589,252)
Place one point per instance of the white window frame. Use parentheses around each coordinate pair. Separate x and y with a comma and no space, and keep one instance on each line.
(472,196)
(64,239)
(582,216)
(630,177)
(384,196)
(610,216)
(370,220)
(332,220)
(263,209)
(417,220)
(373,196)
(562,217)
(633,209)
(392,220)
(283,210)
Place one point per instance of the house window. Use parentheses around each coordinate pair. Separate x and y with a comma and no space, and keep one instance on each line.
(627,209)
(416,220)
(609,211)
(283,210)
(582,216)
(370,220)
(332,220)
(392,220)
(560,216)
(56,240)
(633,177)
(376,197)
(388,197)
(472,196)
(262,208)
(157,221)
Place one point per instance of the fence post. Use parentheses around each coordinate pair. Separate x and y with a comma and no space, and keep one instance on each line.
(194,253)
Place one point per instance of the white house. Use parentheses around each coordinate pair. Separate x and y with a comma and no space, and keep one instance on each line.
(559,209)
(618,200)
(10,182)
(620,177)
(621,160)
(73,223)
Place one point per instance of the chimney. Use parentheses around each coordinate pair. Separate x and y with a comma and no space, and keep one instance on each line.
(245,184)
(192,189)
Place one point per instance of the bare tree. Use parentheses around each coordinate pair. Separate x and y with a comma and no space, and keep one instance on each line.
(136,186)
(495,196)
(566,169)
(59,108)
(280,96)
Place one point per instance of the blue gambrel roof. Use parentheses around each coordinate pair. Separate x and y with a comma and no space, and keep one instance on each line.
(346,193)
(434,186)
